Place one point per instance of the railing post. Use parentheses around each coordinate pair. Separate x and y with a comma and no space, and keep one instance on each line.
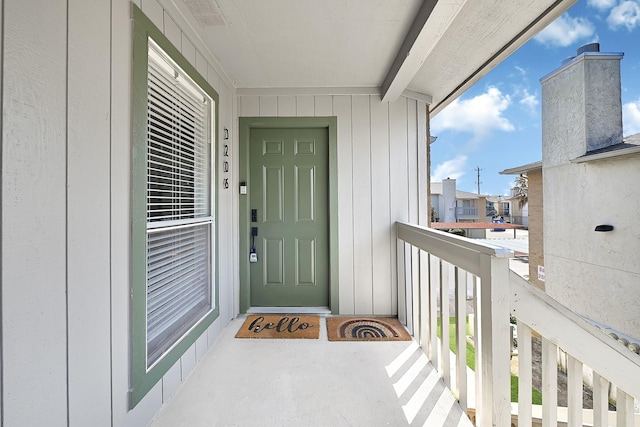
(494,331)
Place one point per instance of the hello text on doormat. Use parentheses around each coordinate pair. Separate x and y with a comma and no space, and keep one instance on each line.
(280,326)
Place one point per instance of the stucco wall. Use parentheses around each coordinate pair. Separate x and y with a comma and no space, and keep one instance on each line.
(596,274)
(581,108)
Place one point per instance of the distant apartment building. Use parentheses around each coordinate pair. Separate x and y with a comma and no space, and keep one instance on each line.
(452,205)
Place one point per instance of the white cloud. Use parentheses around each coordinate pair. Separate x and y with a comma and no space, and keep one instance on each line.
(565,31)
(521,70)
(625,14)
(602,4)
(529,100)
(479,115)
(631,117)
(453,169)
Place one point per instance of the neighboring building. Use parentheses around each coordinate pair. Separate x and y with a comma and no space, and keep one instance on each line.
(535,215)
(590,175)
(499,206)
(587,180)
(452,205)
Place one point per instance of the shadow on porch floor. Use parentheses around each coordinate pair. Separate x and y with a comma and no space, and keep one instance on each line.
(243,382)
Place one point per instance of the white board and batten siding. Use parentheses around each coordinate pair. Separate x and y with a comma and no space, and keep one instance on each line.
(381,165)
(66,183)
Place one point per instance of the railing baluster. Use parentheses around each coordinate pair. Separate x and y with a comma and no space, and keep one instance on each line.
(624,409)
(460,281)
(549,383)
(574,391)
(600,400)
(423,307)
(402,284)
(525,375)
(434,285)
(408,277)
(415,287)
(445,276)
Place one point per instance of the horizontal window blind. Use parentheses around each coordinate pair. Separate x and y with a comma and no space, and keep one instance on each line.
(179,267)
(178,148)
(178,283)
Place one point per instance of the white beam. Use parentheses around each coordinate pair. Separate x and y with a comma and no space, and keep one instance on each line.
(419,42)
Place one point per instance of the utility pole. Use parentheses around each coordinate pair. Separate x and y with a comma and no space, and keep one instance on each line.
(477,169)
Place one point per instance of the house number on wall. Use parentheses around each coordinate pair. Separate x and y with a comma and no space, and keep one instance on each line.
(225,166)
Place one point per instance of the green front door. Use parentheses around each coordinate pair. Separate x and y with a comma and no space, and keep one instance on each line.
(290,214)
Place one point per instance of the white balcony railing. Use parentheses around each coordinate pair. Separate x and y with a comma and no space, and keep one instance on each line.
(446,281)
(466,212)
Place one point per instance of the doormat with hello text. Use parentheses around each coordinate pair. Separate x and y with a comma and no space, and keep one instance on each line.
(280,326)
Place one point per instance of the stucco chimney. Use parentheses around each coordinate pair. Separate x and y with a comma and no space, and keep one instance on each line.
(449,196)
(581,105)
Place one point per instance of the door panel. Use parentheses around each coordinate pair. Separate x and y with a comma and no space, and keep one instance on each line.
(289,187)
(305,193)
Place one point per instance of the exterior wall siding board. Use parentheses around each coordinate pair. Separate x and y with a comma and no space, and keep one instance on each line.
(88,277)
(305,106)
(268,106)
(34,306)
(202,65)
(342,108)
(286,106)
(249,106)
(213,78)
(120,223)
(172,31)
(189,51)
(380,207)
(361,193)
(154,12)
(399,183)
(324,106)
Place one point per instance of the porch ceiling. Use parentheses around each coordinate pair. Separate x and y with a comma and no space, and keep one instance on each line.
(436,48)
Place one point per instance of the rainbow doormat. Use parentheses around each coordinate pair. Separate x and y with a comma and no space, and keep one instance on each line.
(366,329)
(280,326)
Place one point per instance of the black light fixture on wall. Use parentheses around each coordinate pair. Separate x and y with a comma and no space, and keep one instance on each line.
(604,227)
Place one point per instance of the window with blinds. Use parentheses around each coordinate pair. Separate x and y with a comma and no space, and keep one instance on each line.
(179,214)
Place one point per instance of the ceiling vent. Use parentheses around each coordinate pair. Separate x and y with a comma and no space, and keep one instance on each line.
(206,12)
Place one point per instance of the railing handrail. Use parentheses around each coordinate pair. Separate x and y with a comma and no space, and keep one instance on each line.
(573,334)
(490,264)
(424,238)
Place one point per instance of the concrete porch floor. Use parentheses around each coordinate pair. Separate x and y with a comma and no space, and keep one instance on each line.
(258,382)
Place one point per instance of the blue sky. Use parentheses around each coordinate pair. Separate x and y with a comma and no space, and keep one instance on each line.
(496,124)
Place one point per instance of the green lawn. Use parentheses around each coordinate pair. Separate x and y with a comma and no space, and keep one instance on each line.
(471,361)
